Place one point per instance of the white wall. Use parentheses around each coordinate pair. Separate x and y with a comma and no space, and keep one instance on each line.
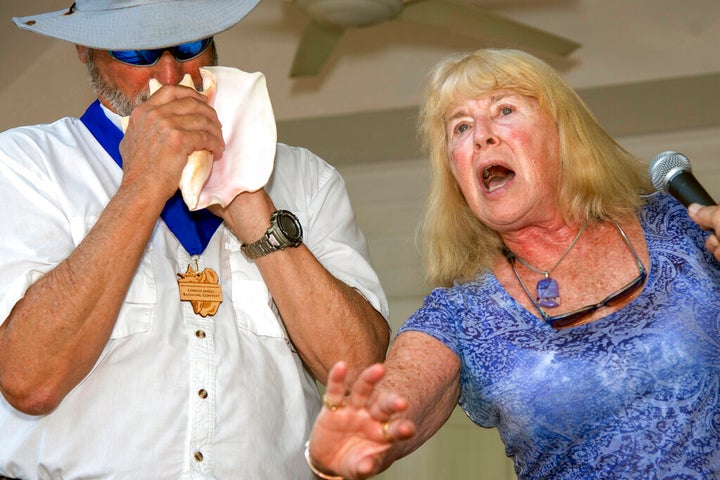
(388,198)
(702,147)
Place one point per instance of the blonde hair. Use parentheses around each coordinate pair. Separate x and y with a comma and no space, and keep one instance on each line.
(598,178)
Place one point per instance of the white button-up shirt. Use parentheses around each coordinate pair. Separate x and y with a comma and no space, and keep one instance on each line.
(173,395)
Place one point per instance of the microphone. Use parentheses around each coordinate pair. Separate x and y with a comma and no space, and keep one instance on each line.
(670,172)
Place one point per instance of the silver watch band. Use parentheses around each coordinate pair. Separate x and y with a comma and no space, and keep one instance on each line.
(259,248)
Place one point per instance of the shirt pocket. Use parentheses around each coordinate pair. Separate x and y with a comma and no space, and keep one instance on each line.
(254,308)
(138,310)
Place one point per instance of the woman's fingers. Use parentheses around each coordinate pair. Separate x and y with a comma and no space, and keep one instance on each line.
(364,386)
(387,405)
(400,429)
(334,396)
(355,430)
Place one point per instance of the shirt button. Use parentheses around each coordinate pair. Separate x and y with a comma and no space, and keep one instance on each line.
(202,393)
(198,456)
(200,334)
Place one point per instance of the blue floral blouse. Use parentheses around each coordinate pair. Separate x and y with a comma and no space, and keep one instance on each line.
(634,395)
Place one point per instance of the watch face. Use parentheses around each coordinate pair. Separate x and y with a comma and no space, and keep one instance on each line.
(290,227)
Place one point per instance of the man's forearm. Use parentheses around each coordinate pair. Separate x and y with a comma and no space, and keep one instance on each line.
(326,319)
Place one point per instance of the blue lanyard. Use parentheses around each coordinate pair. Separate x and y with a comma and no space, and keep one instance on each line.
(192,229)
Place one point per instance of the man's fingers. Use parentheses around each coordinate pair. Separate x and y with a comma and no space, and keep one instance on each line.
(706,217)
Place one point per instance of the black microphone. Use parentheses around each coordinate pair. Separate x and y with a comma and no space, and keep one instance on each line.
(670,172)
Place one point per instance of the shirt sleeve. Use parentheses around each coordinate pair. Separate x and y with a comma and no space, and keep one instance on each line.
(435,318)
(55,181)
(36,232)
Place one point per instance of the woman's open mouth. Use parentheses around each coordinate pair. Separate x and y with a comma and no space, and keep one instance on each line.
(495,176)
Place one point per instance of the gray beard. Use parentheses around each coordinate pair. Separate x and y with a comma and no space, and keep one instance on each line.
(118,101)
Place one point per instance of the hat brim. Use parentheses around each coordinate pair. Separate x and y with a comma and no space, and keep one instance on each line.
(142,26)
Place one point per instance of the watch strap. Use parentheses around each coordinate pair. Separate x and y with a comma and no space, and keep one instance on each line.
(274,238)
(259,248)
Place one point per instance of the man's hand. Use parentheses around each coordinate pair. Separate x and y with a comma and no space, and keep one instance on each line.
(708,218)
(162,132)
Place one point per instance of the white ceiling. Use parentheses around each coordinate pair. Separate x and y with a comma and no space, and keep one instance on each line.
(644,65)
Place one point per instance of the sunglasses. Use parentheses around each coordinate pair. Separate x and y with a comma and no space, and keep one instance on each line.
(573,318)
(145,58)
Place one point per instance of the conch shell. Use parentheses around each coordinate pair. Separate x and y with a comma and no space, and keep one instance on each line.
(199,164)
(244,109)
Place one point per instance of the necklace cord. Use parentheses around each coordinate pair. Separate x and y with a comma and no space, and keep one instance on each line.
(571,318)
(547,273)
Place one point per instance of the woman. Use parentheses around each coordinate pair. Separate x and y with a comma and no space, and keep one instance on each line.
(576,312)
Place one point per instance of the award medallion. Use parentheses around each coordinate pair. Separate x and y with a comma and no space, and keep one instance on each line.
(201,289)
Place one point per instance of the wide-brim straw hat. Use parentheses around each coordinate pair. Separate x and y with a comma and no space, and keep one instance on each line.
(137,24)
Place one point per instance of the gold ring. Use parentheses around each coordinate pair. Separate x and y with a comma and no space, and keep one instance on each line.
(386,431)
(332,406)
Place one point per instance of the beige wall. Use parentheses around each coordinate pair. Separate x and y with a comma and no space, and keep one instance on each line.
(388,199)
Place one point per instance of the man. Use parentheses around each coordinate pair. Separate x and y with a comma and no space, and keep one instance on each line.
(104,370)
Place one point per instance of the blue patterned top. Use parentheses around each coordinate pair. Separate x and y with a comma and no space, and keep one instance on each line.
(634,395)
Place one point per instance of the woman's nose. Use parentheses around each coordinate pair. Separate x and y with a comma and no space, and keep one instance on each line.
(484,137)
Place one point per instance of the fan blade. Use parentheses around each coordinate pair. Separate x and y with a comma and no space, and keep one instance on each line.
(474,22)
(317,43)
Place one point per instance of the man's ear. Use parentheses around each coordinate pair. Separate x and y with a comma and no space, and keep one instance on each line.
(83,53)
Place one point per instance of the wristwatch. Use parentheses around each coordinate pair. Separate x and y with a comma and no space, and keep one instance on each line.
(285,231)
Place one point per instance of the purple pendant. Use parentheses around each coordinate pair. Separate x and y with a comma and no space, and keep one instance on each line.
(548,293)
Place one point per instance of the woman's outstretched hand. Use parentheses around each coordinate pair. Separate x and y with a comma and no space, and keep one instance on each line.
(354,431)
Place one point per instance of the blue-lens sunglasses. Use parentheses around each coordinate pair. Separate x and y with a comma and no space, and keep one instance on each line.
(145,58)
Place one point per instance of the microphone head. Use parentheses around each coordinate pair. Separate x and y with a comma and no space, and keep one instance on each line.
(665,166)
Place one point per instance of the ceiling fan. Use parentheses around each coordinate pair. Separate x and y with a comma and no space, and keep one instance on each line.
(330,18)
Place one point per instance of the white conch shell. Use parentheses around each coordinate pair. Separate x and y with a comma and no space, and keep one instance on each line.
(242,103)
(243,106)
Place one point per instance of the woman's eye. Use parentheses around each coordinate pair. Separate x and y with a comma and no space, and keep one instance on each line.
(462,128)
(506,110)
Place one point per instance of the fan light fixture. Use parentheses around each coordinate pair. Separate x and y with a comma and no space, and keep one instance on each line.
(351,13)
(331,18)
